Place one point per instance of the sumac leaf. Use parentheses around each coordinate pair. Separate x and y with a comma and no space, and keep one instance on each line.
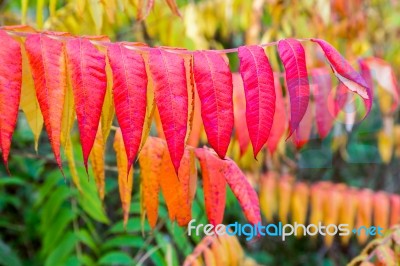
(10,90)
(214,84)
(129,91)
(47,61)
(168,74)
(88,77)
(258,80)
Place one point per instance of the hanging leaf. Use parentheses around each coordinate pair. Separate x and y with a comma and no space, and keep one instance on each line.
(284,195)
(214,85)
(97,160)
(69,153)
(243,191)
(10,90)
(331,207)
(279,123)
(258,80)
(323,103)
(364,213)
(293,58)
(107,112)
(187,176)
(214,183)
(46,58)
(395,210)
(174,7)
(168,73)
(299,206)
(347,212)
(87,67)
(381,210)
(150,161)
(346,73)
(239,109)
(129,90)
(172,190)
(125,175)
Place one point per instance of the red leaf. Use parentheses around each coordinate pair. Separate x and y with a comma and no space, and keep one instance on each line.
(239,110)
(322,87)
(47,61)
(279,124)
(129,91)
(168,73)
(293,57)
(258,80)
(214,84)
(89,83)
(243,191)
(346,73)
(10,90)
(214,184)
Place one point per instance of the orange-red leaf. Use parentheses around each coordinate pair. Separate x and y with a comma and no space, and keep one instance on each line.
(243,191)
(293,58)
(10,90)
(258,80)
(381,206)
(214,85)
(279,125)
(46,57)
(214,184)
(395,209)
(150,161)
(130,98)
(302,135)
(174,7)
(125,178)
(188,176)
(364,213)
(89,83)
(168,73)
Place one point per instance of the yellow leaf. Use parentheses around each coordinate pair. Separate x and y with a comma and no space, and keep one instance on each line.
(29,103)
(268,195)
(125,180)
(107,112)
(300,206)
(69,153)
(97,161)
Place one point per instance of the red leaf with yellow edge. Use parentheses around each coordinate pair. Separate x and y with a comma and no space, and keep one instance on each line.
(268,195)
(214,184)
(364,213)
(150,161)
(125,178)
(168,73)
(346,73)
(293,58)
(258,80)
(46,57)
(173,192)
(97,160)
(284,195)
(381,210)
(10,90)
(239,109)
(323,103)
(214,84)
(300,197)
(243,191)
(395,210)
(88,77)
(279,124)
(129,90)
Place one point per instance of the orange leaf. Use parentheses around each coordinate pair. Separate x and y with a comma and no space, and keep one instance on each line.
(97,160)
(364,213)
(268,195)
(381,206)
(300,198)
(284,195)
(395,210)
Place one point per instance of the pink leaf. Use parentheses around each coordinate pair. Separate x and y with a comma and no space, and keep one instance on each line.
(214,85)
(293,57)
(258,80)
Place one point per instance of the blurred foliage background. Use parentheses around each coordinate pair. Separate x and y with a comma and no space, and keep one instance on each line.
(46,220)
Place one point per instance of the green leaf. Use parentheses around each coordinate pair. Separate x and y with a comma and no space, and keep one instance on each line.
(123,241)
(8,256)
(116,258)
(61,252)
(87,239)
(133,226)
(7,181)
